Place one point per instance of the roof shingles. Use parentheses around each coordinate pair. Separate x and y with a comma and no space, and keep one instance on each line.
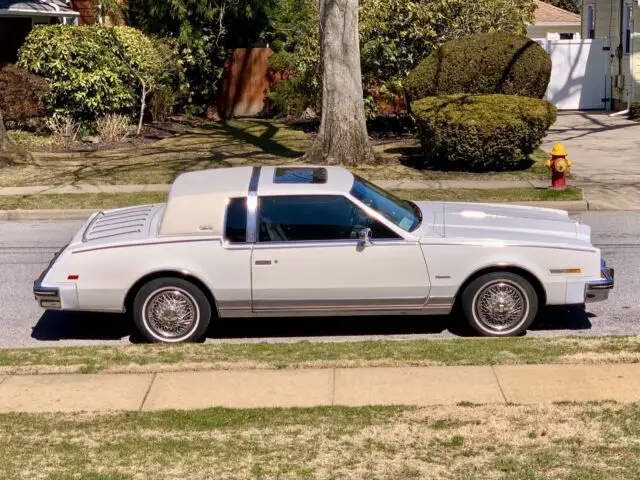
(35,6)
(547,13)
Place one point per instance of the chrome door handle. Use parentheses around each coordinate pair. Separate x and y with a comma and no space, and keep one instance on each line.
(263,262)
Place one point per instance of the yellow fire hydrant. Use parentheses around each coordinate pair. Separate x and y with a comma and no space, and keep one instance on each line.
(560,167)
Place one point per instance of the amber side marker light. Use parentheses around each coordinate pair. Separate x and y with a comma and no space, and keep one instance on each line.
(564,271)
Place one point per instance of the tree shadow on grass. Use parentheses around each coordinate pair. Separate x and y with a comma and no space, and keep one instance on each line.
(264,142)
(227,145)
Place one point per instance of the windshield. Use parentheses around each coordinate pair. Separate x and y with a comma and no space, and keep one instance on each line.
(402,213)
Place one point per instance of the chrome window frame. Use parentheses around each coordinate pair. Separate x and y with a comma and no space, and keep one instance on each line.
(252,206)
(401,239)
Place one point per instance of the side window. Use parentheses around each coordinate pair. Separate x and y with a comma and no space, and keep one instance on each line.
(315,218)
(591,22)
(235,230)
(628,27)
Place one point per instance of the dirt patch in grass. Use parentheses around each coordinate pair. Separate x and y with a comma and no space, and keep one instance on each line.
(161,358)
(593,441)
(215,145)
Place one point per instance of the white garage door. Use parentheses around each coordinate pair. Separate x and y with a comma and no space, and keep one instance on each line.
(580,74)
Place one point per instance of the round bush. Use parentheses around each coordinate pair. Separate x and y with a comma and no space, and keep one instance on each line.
(21,94)
(487,63)
(483,132)
(86,76)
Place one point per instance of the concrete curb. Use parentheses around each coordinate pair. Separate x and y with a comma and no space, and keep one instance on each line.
(355,387)
(52,215)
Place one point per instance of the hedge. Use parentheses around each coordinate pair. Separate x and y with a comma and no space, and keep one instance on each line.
(21,94)
(87,78)
(481,132)
(488,63)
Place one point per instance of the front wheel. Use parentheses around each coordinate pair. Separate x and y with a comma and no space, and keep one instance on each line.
(500,304)
(171,310)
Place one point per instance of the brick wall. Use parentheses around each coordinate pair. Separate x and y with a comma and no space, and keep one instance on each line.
(85,7)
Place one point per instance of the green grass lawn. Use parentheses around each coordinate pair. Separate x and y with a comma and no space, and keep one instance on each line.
(117,200)
(464,442)
(468,351)
(221,144)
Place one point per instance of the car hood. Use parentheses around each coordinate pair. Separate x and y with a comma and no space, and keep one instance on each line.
(500,222)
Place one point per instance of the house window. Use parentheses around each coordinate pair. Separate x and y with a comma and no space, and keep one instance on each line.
(627,28)
(591,22)
(566,36)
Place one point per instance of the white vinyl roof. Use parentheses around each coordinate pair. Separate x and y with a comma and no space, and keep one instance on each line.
(37,8)
(197,200)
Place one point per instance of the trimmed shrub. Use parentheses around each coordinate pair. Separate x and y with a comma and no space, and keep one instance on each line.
(394,36)
(87,77)
(94,71)
(488,63)
(21,94)
(481,133)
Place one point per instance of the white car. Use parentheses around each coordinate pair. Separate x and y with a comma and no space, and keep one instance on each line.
(319,241)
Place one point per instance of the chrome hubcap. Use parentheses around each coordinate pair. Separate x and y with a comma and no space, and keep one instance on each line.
(171,312)
(501,306)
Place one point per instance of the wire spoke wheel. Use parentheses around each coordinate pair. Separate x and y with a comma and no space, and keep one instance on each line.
(171,312)
(501,306)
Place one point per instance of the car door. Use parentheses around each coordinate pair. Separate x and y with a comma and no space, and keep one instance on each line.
(308,258)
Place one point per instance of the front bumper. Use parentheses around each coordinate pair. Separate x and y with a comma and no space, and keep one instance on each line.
(598,290)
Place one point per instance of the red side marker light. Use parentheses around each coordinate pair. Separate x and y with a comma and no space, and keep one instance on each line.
(73,277)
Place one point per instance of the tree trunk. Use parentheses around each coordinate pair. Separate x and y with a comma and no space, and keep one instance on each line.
(342,138)
(9,151)
(143,105)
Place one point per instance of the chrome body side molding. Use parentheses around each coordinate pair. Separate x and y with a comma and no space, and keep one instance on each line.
(348,307)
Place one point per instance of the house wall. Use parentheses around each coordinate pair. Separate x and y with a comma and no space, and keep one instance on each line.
(552,32)
(636,55)
(607,16)
(85,7)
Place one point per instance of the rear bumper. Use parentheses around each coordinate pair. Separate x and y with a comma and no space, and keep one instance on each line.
(53,297)
(47,297)
(598,290)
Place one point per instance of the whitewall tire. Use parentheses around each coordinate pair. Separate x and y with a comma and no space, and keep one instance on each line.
(171,310)
(500,304)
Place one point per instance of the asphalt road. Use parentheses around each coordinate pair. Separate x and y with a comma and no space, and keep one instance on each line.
(27,247)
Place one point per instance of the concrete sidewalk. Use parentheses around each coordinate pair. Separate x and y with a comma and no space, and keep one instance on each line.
(596,196)
(422,386)
(388,184)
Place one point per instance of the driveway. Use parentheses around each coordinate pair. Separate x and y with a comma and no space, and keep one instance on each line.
(604,150)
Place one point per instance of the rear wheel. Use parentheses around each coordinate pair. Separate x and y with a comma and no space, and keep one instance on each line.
(171,310)
(500,304)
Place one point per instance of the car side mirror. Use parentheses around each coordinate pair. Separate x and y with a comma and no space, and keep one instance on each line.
(364,235)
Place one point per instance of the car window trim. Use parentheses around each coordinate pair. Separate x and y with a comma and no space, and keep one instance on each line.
(412,205)
(367,212)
